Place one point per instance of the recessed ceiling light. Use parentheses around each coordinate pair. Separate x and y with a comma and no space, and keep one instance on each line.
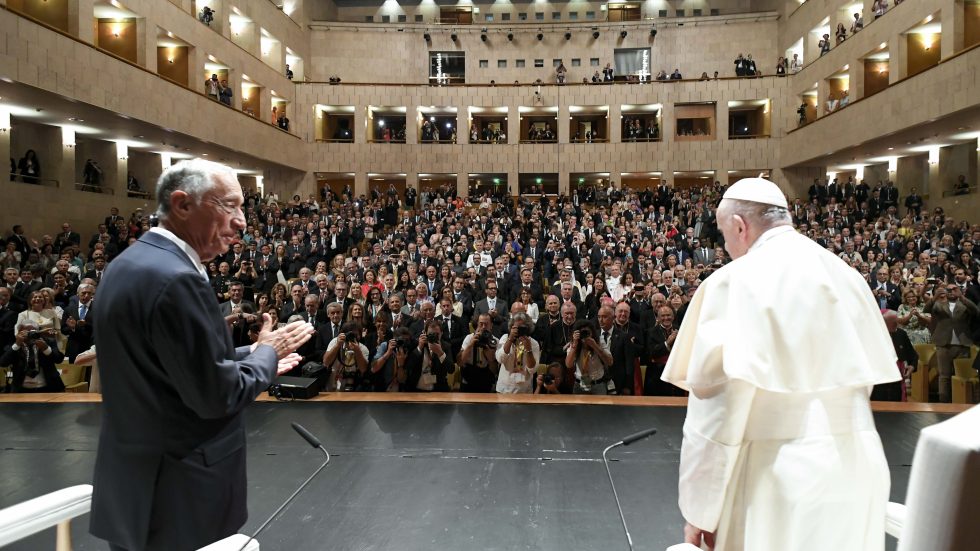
(890,148)
(204,154)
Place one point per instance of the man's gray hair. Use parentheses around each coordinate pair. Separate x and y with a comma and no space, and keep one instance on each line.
(519,317)
(85,286)
(769,216)
(194,177)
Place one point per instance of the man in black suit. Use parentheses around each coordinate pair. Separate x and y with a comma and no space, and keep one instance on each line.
(76,322)
(170,470)
(454,329)
(463,296)
(8,318)
(34,361)
(624,344)
(98,268)
(497,308)
(67,238)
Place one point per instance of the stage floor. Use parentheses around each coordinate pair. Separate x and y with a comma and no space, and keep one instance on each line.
(423,476)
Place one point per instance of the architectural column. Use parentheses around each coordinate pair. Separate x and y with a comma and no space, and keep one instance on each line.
(411,124)
(898,56)
(5,138)
(462,125)
(953,27)
(360,184)
(146,44)
(564,115)
(721,120)
(615,124)
(81,13)
(855,80)
(65,173)
(462,182)
(667,122)
(361,125)
(563,183)
(513,125)
(118,183)
(823,93)
(513,187)
(235,83)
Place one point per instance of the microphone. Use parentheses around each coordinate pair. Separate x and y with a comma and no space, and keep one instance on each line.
(313,441)
(605,460)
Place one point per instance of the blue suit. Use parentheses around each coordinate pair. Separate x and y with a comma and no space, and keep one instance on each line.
(170,470)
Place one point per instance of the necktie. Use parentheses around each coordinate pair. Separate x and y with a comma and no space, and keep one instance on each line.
(82,311)
(449,323)
(605,336)
(335,330)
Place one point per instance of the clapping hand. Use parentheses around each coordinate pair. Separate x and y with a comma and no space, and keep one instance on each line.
(285,340)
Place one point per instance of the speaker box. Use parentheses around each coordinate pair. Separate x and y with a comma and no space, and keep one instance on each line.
(295,388)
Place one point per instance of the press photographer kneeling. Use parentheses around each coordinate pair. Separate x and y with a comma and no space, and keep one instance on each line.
(476,359)
(347,359)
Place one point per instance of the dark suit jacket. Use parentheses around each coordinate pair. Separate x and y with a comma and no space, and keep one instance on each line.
(172,448)
(945,323)
(80,339)
(626,342)
(503,314)
(48,364)
(456,335)
(894,299)
(413,367)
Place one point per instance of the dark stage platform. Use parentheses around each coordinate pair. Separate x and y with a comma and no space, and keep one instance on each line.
(423,476)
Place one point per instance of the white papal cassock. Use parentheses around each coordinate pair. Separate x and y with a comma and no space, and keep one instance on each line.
(780,349)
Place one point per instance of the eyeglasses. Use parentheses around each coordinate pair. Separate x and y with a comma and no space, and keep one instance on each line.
(226,207)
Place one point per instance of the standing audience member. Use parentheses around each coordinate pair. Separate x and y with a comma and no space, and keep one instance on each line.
(518,355)
(952,317)
(33,359)
(29,168)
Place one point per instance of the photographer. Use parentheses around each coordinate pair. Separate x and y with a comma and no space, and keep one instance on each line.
(588,358)
(518,355)
(346,358)
(34,359)
(477,359)
(388,368)
(552,381)
(429,362)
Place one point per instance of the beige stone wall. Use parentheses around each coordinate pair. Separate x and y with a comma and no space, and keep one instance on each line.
(899,107)
(349,11)
(383,54)
(35,56)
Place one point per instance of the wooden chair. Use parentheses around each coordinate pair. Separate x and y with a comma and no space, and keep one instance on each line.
(965,381)
(73,376)
(923,375)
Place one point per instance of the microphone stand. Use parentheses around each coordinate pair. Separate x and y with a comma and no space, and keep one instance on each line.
(605,460)
(313,441)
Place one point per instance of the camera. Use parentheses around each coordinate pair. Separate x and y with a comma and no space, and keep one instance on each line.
(351,336)
(584,333)
(433,338)
(548,379)
(523,331)
(484,339)
(403,343)
(34,335)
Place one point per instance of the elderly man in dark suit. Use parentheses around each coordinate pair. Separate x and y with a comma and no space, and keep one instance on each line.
(76,323)
(170,470)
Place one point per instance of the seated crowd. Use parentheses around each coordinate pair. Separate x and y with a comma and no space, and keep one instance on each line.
(553,295)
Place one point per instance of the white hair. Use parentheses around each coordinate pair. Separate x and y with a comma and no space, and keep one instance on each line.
(194,177)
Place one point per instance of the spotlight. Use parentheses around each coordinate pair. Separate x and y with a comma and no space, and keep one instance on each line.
(483,37)
(427,37)
(540,37)
(622,34)
(595,34)
(510,37)
(568,36)
(653,33)
(453,37)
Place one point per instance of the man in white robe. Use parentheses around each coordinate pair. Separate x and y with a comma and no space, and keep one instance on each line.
(780,350)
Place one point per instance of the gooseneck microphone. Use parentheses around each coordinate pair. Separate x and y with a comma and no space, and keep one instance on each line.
(313,441)
(605,460)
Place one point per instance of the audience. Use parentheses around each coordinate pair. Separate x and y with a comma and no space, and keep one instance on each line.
(405,290)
